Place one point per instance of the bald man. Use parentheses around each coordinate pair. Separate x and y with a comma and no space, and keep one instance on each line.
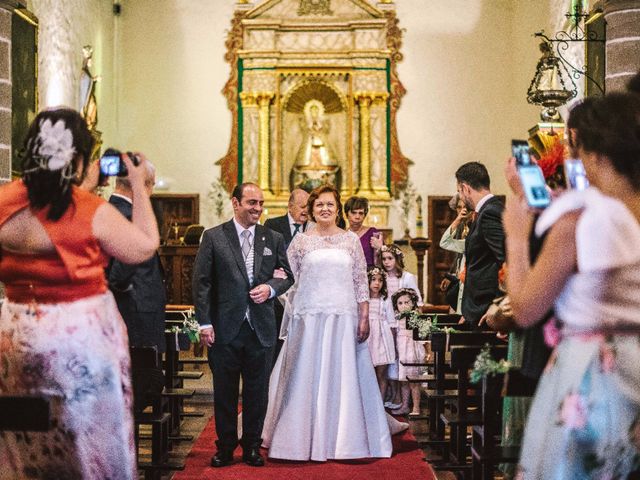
(295,221)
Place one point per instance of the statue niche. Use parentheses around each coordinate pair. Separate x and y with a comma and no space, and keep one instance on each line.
(313,137)
(316,161)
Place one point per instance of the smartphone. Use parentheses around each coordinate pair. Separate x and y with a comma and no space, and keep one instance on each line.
(535,188)
(520,150)
(575,174)
(111,164)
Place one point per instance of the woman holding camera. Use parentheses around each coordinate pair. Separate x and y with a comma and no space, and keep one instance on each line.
(61,335)
(585,418)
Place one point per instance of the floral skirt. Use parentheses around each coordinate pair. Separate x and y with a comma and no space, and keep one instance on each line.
(585,418)
(77,353)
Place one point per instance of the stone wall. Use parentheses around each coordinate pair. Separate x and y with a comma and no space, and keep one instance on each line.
(5,95)
(623,42)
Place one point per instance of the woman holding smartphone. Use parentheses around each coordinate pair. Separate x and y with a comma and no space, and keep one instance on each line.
(356,209)
(585,417)
(62,336)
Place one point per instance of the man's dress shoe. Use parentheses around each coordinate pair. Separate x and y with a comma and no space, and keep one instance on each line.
(222,458)
(252,457)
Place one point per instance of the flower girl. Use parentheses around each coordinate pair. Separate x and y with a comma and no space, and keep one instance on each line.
(380,341)
(409,351)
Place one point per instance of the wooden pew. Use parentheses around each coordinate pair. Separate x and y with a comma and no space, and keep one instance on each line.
(462,359)
(486,451)
(144,360)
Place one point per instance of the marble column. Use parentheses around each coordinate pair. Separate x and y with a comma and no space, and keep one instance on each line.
(623,42)
(5,95)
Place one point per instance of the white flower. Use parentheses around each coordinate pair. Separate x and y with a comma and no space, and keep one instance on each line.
(56,144)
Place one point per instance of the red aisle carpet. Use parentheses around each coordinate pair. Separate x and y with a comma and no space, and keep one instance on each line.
(406,463)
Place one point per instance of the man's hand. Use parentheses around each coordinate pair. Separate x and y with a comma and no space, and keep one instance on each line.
(206,337)
(461,321)
(261,293)
(444,284)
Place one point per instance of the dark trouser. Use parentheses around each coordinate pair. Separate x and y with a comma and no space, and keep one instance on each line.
(244,356)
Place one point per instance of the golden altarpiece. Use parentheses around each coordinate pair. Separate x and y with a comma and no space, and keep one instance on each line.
(314,93)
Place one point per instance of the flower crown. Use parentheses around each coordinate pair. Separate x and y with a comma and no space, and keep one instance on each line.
(53,149)
(394,249)
(376,271)
(405,291)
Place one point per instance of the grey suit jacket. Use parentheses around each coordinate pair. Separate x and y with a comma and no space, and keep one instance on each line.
(221,284)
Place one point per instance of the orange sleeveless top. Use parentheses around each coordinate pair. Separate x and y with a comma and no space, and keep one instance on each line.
(74,271)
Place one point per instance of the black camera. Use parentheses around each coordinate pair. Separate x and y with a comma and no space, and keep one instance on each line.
(111,164)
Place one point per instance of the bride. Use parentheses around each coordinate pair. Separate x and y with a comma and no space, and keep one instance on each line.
(324,400)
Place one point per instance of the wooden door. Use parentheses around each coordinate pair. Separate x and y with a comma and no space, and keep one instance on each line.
(439,260)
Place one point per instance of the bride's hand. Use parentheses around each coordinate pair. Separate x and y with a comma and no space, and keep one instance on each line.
(363,330)
(279,273)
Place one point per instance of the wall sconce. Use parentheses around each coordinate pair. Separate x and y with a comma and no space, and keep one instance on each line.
(548,87)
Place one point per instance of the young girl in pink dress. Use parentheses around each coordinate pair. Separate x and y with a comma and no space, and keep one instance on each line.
(409,351)
(392,261)
(380,341)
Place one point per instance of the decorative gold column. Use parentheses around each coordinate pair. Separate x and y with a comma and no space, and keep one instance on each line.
(365,100)
(264,146)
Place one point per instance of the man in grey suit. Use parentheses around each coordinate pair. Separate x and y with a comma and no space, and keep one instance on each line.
(234,289)
(138,289)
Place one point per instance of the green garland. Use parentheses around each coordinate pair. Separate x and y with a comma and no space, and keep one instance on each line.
(485,365)
(425,324)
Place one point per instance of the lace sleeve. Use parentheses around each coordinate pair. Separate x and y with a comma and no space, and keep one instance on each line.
(360,283)
(295,254)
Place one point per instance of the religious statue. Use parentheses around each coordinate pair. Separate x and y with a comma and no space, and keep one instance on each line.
(88,105)
(316,162)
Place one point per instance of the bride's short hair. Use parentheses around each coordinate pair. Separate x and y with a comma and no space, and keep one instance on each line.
(313,196)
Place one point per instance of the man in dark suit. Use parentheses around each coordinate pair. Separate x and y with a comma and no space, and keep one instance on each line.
(138,289)
(234,289)
(484,246)
(295,220)
(289,225)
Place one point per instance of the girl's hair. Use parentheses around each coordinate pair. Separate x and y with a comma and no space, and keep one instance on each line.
(57,142)
(371,271)
(393,249)
(313,196)
(410,292)
(610,126)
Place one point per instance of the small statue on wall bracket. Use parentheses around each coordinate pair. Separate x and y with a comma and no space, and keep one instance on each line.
(315,7)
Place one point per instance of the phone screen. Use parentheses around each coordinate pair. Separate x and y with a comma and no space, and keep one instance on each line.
(520,150)
(535,188)
(110,165)
(575,174)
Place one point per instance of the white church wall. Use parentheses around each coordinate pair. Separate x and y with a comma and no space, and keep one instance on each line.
(467,65)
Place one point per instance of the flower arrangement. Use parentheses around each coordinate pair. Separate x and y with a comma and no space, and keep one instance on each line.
(552,164)
(424,324)
(189,326)
(485,365)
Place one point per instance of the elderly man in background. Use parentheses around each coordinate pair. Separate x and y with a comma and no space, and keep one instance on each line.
(295,220)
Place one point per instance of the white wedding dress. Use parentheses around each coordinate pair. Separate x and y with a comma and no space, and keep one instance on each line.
(324,400)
